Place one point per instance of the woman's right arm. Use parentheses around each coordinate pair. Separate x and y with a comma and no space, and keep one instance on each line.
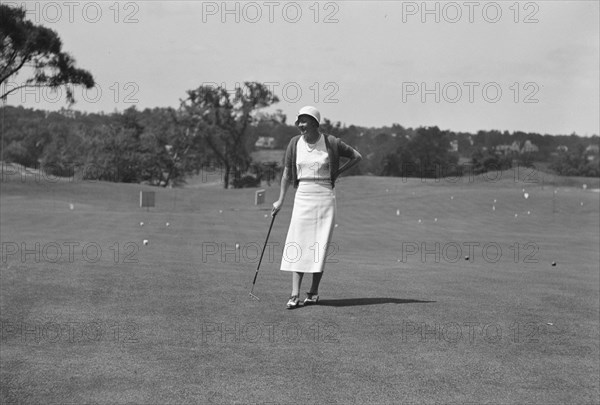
(285,183)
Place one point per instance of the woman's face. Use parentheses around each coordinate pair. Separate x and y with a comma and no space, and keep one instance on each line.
(307,124)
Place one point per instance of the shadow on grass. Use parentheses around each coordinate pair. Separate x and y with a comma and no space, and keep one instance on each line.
(349,302)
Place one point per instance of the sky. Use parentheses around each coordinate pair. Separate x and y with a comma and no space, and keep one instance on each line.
(463,66)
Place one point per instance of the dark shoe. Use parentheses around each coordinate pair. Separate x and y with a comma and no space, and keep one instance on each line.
(311,298)
(294,302)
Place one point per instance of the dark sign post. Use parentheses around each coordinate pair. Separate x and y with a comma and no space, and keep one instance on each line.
(259,197)
(147,199)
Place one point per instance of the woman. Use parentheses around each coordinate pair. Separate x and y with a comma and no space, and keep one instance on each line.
(312,165)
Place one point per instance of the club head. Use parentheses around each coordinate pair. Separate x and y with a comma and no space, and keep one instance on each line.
(254,297)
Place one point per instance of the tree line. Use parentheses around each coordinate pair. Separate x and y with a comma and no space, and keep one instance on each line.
(158,146)
(162,146)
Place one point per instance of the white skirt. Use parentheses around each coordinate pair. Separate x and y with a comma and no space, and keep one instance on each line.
(311,228)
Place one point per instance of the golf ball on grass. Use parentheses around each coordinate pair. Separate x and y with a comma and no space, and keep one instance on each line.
(167,224)
(145,242)
(141,224)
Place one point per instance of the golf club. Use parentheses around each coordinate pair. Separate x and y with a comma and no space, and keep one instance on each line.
(260,260)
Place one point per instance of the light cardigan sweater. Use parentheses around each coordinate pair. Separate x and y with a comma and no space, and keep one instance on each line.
(336,148)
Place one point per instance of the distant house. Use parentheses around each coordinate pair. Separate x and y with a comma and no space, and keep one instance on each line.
(453,146)
(562,148)
(592,149)
(591,152)
(506,149)
(529,147)
(515,148)
(265,142)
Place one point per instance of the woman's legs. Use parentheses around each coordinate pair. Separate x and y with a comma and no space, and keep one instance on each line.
(296,282)
(314,288)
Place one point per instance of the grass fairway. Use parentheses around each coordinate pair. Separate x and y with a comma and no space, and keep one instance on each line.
(91,315)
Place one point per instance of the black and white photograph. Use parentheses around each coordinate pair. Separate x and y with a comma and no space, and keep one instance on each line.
(300,202)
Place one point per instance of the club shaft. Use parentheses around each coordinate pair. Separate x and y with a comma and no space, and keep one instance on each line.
(263,251)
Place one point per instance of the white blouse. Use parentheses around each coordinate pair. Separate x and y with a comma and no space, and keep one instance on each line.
(312,161)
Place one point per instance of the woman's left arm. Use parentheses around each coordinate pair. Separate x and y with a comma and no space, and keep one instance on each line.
(352,154)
